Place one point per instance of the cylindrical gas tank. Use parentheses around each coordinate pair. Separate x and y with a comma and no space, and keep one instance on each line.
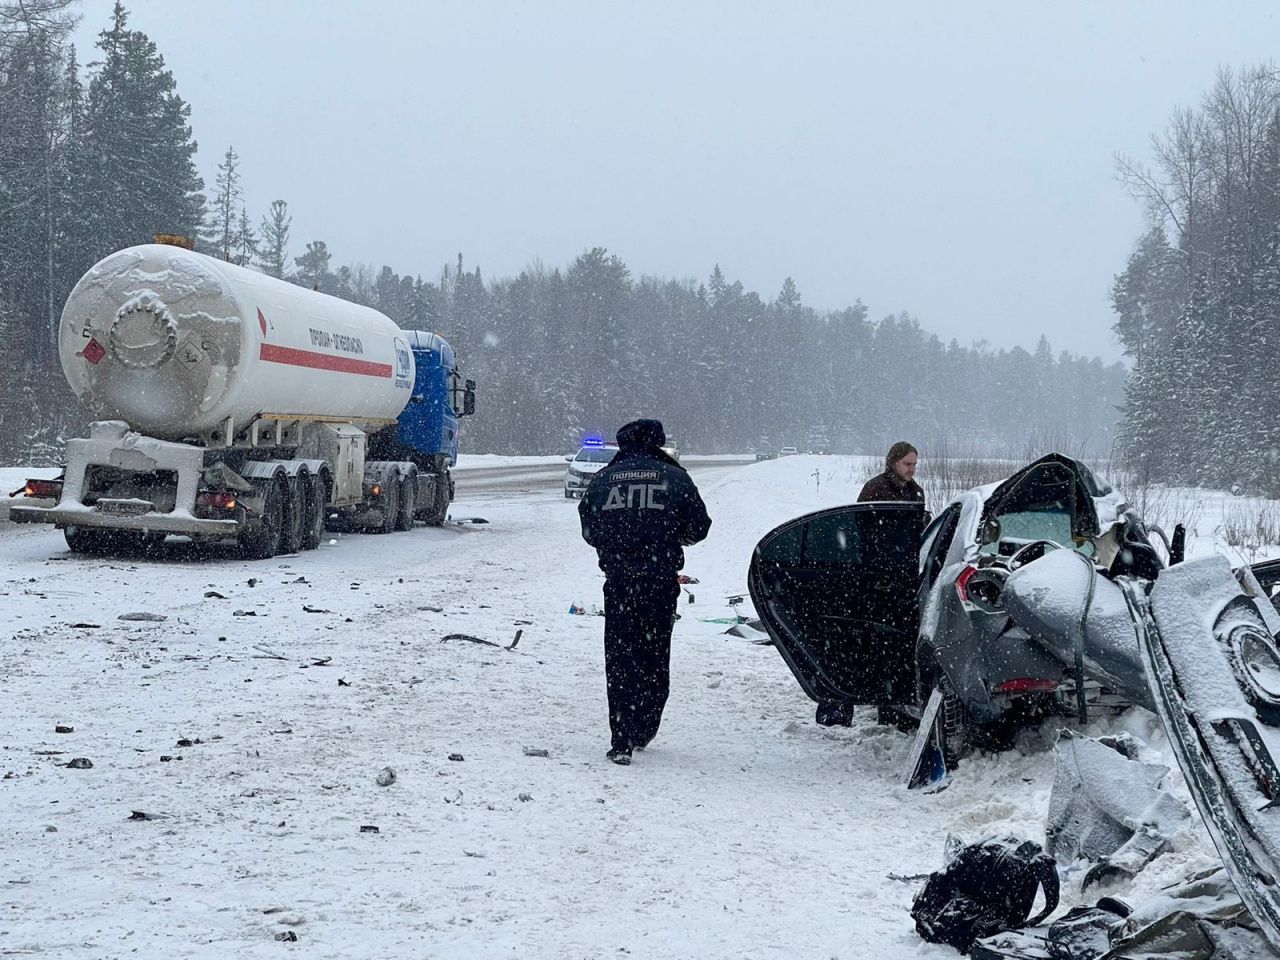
(175,342)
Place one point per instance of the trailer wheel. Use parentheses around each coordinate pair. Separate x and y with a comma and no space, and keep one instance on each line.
(293,529)
(87,540)
(390,507)
(260,540)
(408,498)
(315,497)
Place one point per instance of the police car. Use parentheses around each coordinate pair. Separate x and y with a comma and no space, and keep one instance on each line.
(591,457)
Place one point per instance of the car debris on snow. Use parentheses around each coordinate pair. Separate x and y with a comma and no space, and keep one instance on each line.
(144,616)
(144,815)
(386,777)
(368,828)
(1108,808)
(80,763)
(537,752)
(63,728)
(468,638)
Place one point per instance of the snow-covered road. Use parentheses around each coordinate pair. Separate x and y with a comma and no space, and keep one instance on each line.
(251,723)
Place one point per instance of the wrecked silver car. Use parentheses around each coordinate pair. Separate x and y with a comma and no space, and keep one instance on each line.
(1047,592)
(1009,603)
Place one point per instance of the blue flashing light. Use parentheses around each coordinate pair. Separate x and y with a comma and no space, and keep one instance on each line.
(593,442)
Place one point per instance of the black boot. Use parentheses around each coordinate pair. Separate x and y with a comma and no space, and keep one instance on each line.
(620,755)
(833,713)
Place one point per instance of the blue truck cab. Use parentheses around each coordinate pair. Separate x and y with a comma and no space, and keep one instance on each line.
(429,423)
(425,434)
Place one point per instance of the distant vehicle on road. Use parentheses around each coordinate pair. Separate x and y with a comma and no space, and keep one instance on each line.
(788,452)
(819,442)
(670,448)
(589,460)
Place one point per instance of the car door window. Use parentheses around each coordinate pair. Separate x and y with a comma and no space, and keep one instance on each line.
(833,542)
(937,541)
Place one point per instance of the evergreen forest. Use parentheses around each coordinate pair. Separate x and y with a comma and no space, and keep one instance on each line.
(1198,303)
(96,158)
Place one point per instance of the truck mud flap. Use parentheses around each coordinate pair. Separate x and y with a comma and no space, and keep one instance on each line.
(1211,664)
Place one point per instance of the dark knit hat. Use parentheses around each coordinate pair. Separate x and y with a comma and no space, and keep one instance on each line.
(641,435)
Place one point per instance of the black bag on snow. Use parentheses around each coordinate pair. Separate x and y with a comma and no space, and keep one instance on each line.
(989,886)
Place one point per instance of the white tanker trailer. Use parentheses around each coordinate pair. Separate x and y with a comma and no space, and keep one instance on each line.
(234,405)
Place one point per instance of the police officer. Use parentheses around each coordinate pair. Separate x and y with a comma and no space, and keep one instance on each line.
(638,512)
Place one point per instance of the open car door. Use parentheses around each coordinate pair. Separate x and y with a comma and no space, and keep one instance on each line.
(836,590)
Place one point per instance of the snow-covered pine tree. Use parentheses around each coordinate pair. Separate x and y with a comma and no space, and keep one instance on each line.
(273,245)
(220,231)
(140,175)
(246,248)
(313,268)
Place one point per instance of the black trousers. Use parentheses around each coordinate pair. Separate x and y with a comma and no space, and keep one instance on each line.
(639,612)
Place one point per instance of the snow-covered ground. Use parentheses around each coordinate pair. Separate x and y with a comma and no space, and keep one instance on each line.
(744,831)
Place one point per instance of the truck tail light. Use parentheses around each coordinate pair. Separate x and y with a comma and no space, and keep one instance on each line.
(43,489)
(1027,685)
(962,584)
(216,501)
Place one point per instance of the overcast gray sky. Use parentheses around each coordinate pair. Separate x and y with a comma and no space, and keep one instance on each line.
(950,159)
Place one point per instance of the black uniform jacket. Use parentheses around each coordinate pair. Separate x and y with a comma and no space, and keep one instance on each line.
(639,511)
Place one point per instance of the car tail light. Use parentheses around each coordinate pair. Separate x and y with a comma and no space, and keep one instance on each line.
(1027,685)
(43,489)
(216,501)
(376,490)
(962,584)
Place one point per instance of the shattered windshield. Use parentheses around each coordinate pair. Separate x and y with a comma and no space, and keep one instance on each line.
(1031,525)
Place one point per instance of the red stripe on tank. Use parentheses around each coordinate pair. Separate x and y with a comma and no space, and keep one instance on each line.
(322,361)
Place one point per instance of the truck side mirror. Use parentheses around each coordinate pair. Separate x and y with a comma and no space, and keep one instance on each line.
(469,399)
